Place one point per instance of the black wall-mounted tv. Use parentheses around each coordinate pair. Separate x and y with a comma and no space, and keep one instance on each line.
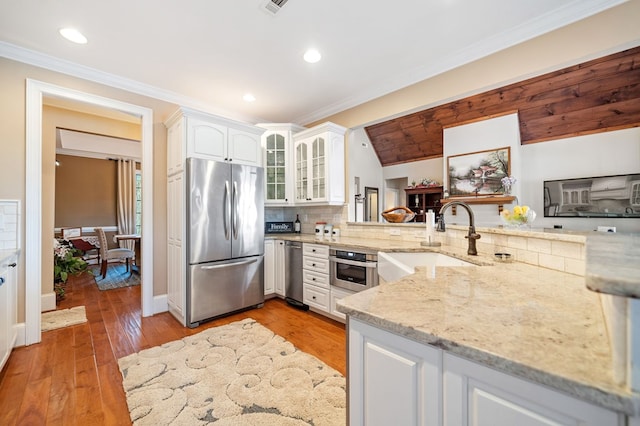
(615,196)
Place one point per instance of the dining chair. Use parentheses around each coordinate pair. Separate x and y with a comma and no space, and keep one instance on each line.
(107,254)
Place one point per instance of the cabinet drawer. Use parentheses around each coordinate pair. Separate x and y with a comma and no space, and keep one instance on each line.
(316,250)
(315,278)
(316,297)
(316,264)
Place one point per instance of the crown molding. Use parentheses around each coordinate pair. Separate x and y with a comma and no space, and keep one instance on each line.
(42,60)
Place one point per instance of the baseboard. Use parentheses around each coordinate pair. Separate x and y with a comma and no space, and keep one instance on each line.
(48,302)
(21,334)
(160,304)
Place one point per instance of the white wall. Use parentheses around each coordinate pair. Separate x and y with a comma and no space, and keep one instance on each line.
(362,162)
(484,135)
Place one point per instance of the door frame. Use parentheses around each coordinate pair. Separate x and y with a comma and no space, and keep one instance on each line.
(35,91)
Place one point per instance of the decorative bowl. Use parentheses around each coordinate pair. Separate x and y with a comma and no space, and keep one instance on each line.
(519,217)
(404,215)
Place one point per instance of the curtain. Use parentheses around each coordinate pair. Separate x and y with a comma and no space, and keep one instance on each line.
(127,200)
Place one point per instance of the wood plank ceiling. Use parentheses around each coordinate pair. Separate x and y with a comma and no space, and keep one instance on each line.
(596,96)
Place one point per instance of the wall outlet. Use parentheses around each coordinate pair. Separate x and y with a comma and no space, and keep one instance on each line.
(606,229)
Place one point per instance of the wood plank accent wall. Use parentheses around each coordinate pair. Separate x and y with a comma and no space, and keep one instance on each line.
(596,96)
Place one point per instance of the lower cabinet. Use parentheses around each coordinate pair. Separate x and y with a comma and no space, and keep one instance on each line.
(337,294)
(8,307)
(315,277)
(392,380)
(395,380)
(274,267)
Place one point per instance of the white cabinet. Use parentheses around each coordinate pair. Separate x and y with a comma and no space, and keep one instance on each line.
(392,380)
(319,165)
(195,134)
(176,251)
(337,294)
(8,307)
(476,395)
(315,277)
(277,148)
(279,267)
(395,380)
(269,267)
(274,252)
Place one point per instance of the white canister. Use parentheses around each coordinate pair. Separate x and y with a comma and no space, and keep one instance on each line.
(336,232)
(328,231)
(320,229)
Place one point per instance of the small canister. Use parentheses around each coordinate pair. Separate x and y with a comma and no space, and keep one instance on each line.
(320,229)
(328,231)
(336,232)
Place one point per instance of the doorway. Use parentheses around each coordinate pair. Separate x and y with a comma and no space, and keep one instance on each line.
(36,90)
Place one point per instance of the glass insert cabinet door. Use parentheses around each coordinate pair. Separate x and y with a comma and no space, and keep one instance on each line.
(302,189)
(318,161)
(276,168)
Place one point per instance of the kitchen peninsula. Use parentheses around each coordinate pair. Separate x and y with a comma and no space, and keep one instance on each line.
(512,340)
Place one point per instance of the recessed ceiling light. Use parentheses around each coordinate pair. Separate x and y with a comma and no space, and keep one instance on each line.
(73,35)
(312,56)
(248,97)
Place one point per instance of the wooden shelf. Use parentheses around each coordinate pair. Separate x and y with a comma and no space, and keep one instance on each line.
(499,200)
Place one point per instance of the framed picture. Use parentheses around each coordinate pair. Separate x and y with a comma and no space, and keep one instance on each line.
(68,233)
(478,173)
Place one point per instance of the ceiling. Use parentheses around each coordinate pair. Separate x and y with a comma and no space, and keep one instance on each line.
(207,54)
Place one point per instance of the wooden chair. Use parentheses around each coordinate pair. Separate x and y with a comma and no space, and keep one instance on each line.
(107,254)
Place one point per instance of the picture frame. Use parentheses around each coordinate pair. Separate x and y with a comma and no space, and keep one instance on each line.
(68,233)
(478,173)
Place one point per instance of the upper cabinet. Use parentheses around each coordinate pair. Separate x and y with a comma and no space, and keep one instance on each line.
(277,147)
(195,134)
(319,165)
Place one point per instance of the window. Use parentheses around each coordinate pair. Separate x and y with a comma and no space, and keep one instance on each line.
(138,201)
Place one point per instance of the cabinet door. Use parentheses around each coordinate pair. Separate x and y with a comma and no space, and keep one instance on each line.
(244,148)
(206,140)
(480,396)
(175,146)
(318,169)
(269,267)
(4,317)
(276,164)
(175,255)
(280,267)
(393,380)
(337,294)
(302,172)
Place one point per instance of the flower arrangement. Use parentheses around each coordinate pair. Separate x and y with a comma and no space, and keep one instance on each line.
(521,215)
(66,261)
(507,183)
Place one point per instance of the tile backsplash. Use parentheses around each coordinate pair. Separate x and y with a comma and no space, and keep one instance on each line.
(9,224)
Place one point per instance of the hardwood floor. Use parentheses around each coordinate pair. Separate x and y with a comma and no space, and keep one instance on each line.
(72,376)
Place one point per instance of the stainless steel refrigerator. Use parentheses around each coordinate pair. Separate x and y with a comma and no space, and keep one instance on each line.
(225,238)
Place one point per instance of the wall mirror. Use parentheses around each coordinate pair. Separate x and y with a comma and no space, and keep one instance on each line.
(371,205)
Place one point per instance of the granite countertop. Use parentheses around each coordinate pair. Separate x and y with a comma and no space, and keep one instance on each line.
(531,322)
(613,264)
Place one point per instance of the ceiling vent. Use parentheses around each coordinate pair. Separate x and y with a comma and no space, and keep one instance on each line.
(273,6)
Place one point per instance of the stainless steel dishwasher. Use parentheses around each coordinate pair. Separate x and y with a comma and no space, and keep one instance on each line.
(293,274)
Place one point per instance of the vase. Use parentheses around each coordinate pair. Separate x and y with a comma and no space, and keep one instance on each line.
(507,189)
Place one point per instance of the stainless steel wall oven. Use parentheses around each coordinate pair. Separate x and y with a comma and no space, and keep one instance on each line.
(353,270)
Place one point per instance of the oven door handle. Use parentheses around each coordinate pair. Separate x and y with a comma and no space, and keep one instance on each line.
(353,262)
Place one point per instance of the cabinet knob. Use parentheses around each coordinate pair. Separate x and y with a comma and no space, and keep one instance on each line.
(313,279)
(313,297)
(313,264)
(1,280)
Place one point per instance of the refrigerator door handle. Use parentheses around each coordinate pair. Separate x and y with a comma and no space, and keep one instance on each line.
(227,209)
(235,210)
(225,265)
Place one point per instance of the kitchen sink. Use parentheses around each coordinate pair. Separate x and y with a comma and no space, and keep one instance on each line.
(396,265)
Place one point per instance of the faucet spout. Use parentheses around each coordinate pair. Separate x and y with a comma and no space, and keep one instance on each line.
(472,236)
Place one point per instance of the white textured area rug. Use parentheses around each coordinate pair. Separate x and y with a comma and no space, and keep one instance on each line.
(63,318)
(236,374)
